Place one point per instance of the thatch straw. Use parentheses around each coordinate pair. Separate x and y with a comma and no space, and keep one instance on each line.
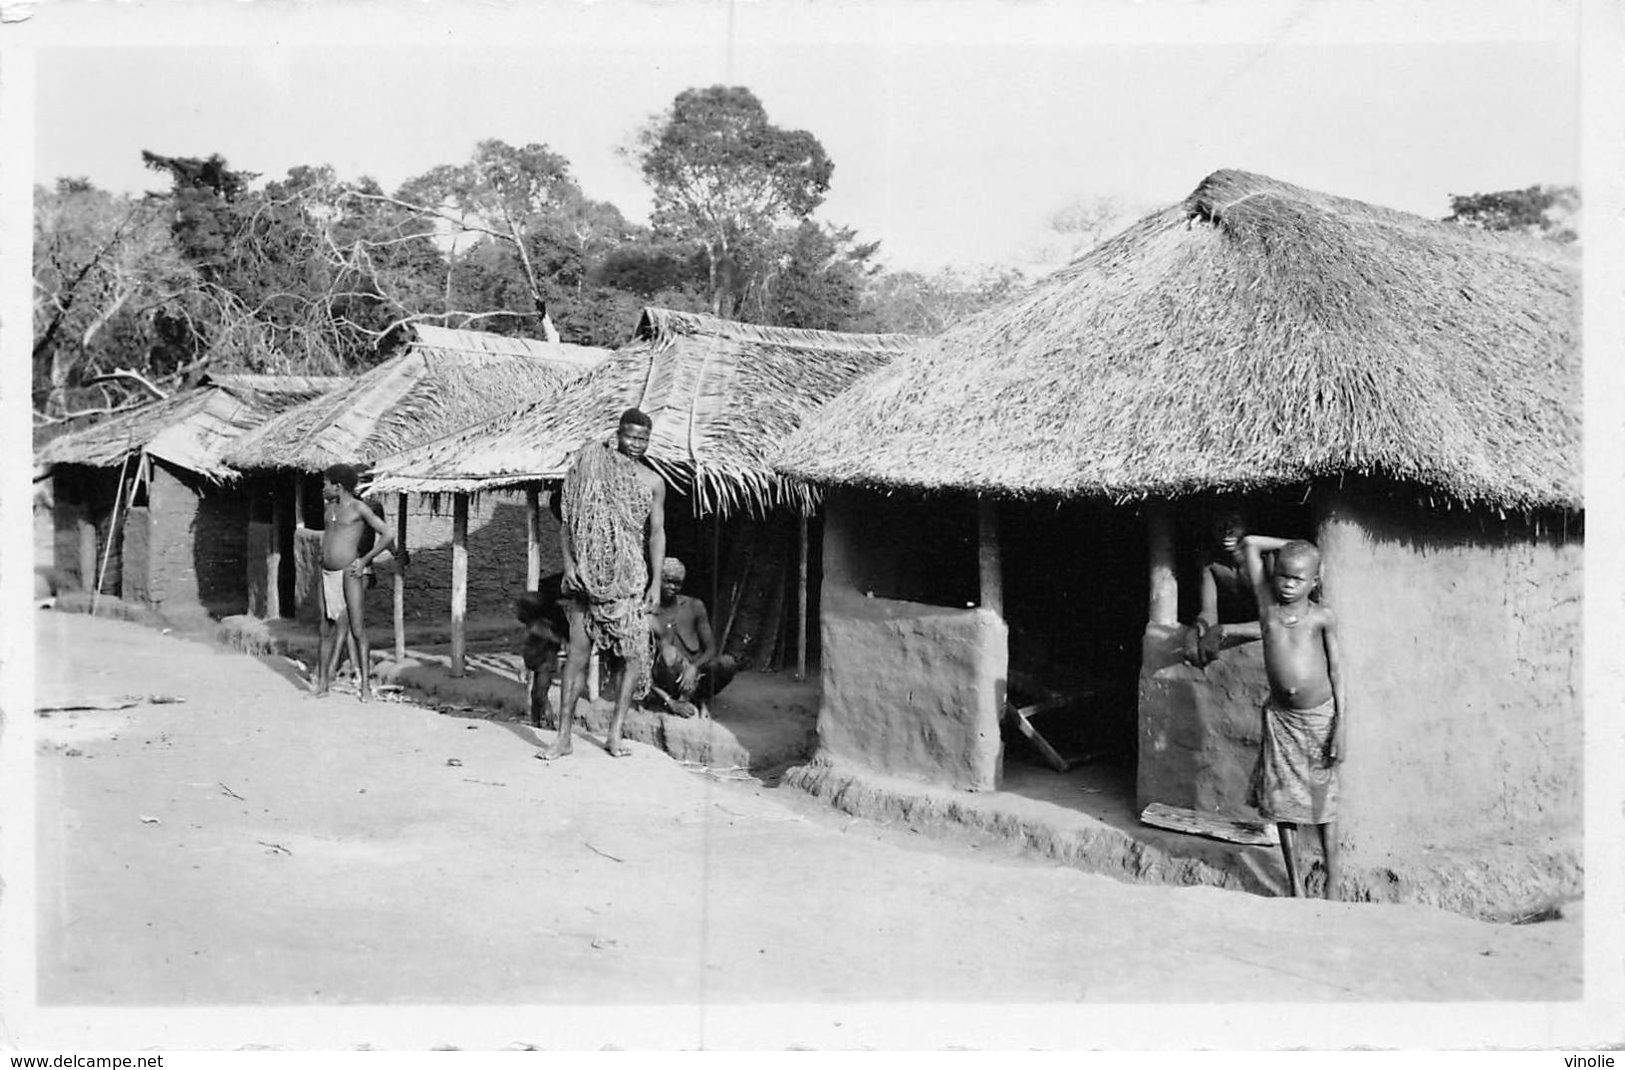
(1257,334)
(444,379)
(191,429)
(723,396)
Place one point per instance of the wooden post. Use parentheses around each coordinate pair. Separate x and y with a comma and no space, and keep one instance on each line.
(987,530)
(87,550)
(459,578)
(801,604)
(1164,582)
(300,522)
(400,577)
(273,557)
(533,539)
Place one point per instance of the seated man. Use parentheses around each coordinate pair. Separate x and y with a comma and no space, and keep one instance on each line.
(547,629)
(1228,605)
(688,668)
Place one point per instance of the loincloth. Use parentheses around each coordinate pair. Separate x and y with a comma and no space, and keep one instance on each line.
(333,593)
(1291,780)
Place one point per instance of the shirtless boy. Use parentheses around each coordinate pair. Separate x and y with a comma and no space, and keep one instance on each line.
(1305,718)
(344,568)
(688,666)
(1228,609)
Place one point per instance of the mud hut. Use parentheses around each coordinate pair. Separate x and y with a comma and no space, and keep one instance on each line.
(145,507)
(724,396)
(1405,392)
(437,380)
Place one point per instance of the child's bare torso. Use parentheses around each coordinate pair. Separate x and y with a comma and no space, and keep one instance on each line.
(341,534)
(1295,653)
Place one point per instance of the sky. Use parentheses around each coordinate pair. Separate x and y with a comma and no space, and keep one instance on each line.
(956,129)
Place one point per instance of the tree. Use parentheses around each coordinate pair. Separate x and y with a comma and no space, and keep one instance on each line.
(812,277)
(1543,211)
(914,303)
(725,177)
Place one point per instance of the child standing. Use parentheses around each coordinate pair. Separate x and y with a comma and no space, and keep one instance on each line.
(1306,716)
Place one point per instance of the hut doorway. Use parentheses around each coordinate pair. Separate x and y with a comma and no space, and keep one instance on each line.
(1075,601)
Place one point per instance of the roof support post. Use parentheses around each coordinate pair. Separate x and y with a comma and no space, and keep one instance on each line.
(299,521)
(1164,582)
(399,554)
(273,556)
(533,539)
(987,542)
(459,579)
(801,602)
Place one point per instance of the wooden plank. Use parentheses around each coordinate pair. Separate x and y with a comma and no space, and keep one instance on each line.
(399,554)
(987,542)
(459,581)
(300,522)
(1051,755)
(273,557)
(1179,819)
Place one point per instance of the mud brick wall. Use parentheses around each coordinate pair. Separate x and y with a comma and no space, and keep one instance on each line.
(909,688)
(1462,644)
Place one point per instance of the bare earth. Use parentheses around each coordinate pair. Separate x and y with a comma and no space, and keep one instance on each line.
(253,845)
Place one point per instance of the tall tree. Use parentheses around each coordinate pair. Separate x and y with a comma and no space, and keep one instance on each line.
(1544,211)
(725,177)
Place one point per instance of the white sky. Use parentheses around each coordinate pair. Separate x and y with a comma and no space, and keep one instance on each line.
(955,128)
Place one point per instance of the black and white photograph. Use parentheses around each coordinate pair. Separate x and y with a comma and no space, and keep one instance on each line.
(768,525)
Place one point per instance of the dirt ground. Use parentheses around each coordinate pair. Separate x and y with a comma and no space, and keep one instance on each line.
(251,844)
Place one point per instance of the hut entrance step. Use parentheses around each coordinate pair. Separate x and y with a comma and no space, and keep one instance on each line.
(1040,714)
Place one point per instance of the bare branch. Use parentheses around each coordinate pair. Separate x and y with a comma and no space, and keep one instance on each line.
(132,375)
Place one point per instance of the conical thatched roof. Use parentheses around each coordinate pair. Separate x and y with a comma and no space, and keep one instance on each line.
(1256,334)
(724,396)
(191,429)
(443,379)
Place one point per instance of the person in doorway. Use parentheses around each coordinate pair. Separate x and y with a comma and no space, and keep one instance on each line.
(613,541)
(1229,609)
(345,518)
(1305,718)
(689,669)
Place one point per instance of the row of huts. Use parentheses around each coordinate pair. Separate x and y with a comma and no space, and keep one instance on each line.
(1013,509)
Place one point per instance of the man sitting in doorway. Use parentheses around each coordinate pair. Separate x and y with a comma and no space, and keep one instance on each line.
(1229,608)
(689,670)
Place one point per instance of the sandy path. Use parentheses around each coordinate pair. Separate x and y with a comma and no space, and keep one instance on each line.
(325,851)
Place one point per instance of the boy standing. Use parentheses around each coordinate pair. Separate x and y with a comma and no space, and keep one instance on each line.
(344,568)
(1305,717)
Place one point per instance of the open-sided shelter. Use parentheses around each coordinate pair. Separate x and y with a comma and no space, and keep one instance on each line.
(1403,391)
(144,505)
(723,397)
(440,379)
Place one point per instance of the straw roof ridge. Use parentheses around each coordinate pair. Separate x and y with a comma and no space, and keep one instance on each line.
(190,429)
(442,380)
(1255,334)
(722,396)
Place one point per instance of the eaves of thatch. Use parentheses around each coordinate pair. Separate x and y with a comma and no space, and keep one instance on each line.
(442,380)
(1255,335)
(723,396)
(190,430)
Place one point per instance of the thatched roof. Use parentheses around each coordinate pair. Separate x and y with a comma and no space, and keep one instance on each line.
(442,380)
(1257,334)
(191,429)
(724,396)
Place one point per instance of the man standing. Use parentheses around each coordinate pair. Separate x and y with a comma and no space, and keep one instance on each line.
(613,541)
(345,519)
(689,670)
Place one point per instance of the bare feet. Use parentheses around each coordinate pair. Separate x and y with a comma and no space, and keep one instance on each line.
(554,753)
(617,749)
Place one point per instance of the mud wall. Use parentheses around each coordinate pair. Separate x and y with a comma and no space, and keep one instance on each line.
(1461,638)
(1199,728)
(909,688)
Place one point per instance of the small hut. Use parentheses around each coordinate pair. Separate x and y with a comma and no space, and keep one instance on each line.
(1025,494)
(145,507)
(723,395)
(439,379)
